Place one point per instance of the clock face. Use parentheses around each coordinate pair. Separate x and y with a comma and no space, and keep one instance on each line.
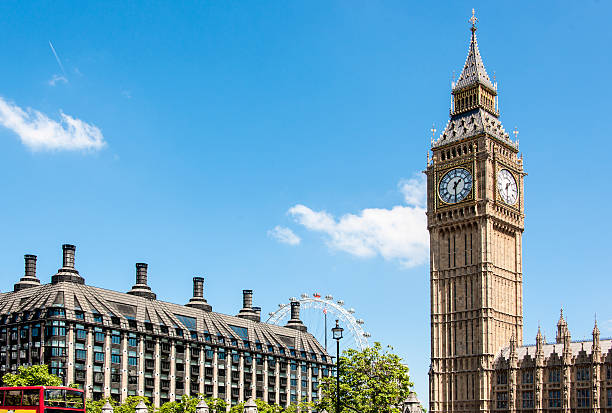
(506,185)
(455,185)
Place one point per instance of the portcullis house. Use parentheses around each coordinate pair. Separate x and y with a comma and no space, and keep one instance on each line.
(116,344)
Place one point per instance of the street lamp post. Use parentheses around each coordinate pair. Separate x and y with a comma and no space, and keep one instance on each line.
(337,334)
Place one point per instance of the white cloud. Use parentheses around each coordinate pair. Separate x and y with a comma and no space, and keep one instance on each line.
(399,233)
(414,190)
(57,79)
(284,235)
(37,131)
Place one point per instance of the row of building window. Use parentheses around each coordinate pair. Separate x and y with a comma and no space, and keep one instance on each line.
(554,375)
(59,328)
(583,399)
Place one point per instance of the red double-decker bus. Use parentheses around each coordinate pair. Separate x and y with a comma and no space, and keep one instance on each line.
(41,399)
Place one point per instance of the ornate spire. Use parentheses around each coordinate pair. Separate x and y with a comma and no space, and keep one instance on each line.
(561,320)
(539,337)
(473,70)
(567,349)
(539,344)
(565,338)
(595,335)
(513,355)
(561,328)
(474,102)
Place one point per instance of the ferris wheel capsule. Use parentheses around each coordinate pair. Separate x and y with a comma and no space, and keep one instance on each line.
(293,299)
(367,335)
(304,295)
(281,305)
(329,297)
(360,321)
(340,302)
(351,310)
(270,314)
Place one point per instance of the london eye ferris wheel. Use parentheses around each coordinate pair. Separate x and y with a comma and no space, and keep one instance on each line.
(319,314)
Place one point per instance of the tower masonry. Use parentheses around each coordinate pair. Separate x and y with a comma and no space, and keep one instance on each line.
(475,218)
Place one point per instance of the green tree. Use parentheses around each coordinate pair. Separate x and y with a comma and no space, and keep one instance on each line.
(95,406)
(264,407)
(188,404)
(31,376)
(128,406)
(371,381)
(130,403)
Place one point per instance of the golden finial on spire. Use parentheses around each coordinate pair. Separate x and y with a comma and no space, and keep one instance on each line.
(515,132)
(433,132)
(473,20)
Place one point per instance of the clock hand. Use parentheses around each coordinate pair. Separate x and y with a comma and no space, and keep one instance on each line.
(455,188)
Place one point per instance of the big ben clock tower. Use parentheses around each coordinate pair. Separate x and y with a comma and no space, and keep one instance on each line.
(475,217)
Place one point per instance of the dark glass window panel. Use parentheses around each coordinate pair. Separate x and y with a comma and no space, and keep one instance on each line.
(12,398)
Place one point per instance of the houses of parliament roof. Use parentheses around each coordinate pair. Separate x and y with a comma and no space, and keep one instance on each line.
(563,347)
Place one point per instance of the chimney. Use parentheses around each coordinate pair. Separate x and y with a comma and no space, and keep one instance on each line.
(247,299)
(29,279)
(141,288)
(69,251)
(30,265)
(141,273)
(247,307)
(295,322)
(295,310)
(198,301)
(68,273)
(198,287)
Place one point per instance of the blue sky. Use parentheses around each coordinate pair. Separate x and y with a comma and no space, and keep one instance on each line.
(182,135)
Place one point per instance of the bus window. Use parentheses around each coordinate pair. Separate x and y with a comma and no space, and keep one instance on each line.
(1,397)
(31,397)
(54,410)
(74,399)
(54,398)
(12,398)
